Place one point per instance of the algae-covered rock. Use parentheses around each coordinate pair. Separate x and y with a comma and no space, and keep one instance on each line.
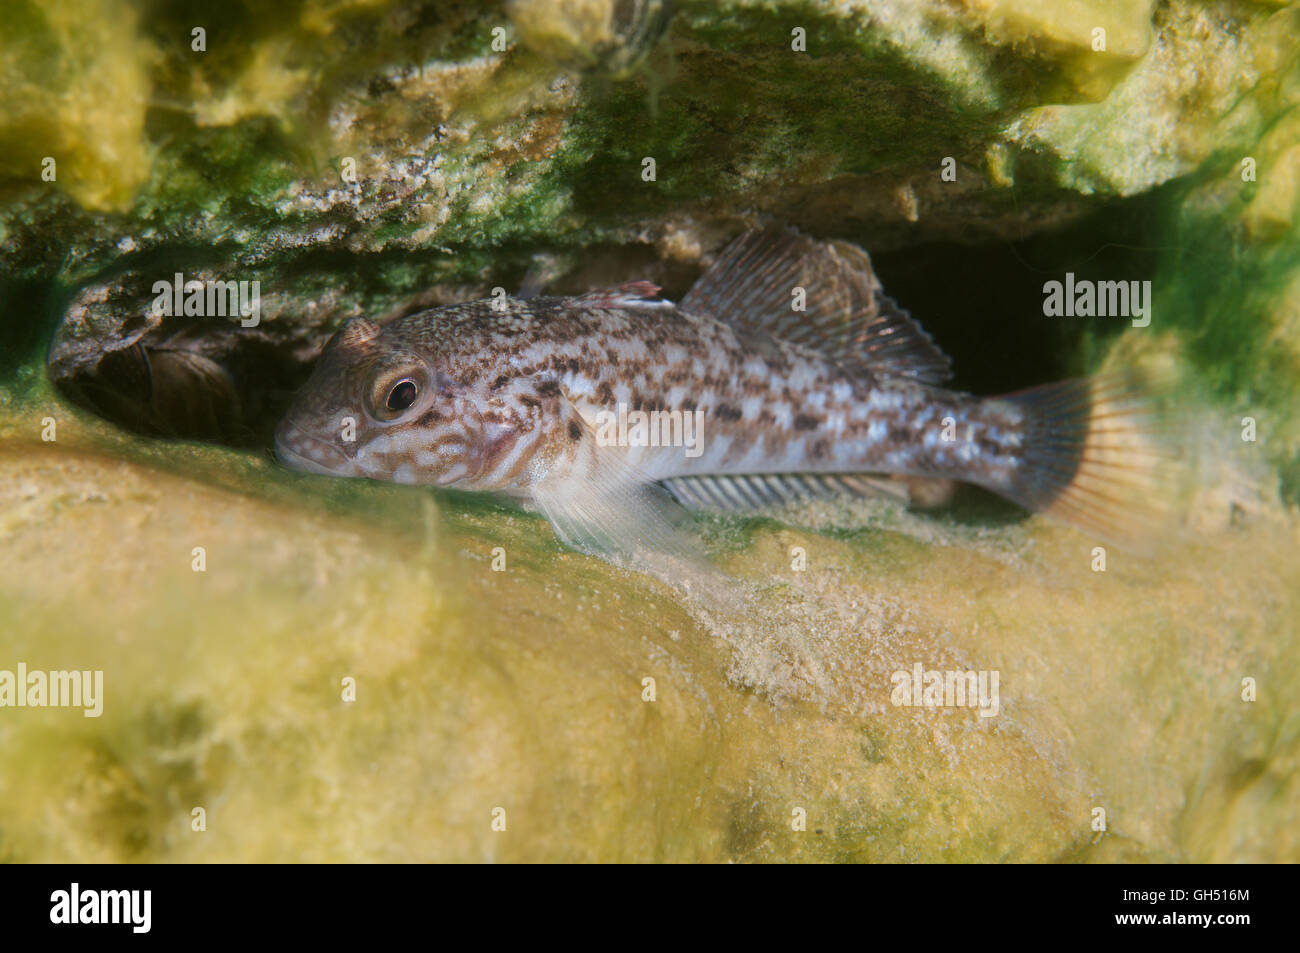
(527,689)
(296,668)
(361,157)
(356,682)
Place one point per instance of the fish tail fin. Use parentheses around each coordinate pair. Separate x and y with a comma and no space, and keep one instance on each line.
(1097,453)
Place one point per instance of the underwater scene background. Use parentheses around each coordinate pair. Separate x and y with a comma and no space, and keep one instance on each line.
(303,669)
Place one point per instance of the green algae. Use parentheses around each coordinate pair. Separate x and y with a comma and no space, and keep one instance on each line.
(523,689)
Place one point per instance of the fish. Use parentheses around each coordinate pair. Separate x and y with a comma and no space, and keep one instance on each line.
(784,374)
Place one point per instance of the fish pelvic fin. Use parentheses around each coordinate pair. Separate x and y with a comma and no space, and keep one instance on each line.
(1100,454)
(821,295)
(605,507)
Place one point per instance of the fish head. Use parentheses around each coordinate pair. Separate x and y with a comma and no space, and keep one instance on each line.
(381,409)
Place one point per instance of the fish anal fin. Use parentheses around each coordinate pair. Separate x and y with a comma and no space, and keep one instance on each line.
(744,492)
(821,295)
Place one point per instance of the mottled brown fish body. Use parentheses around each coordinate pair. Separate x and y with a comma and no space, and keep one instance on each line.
(580,404)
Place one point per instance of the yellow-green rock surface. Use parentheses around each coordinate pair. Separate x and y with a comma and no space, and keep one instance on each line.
(524,689)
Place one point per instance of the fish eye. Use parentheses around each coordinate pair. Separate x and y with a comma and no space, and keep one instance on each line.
(393,392)
(402,395)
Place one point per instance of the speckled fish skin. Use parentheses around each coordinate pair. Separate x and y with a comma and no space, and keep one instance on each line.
(507,393)
(768,406)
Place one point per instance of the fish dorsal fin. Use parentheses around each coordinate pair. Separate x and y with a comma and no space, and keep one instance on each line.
(847,317)
(631,294)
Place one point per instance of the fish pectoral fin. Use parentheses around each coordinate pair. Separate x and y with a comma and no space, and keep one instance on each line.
(625,523)
(608,508)
(845,315)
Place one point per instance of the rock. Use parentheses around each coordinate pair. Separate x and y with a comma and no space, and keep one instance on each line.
(364,158)
(525,689)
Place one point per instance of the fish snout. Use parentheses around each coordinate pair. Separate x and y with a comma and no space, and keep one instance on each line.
(297,449)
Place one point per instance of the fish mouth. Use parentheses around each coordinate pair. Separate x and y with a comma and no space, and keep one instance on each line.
(299,450)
